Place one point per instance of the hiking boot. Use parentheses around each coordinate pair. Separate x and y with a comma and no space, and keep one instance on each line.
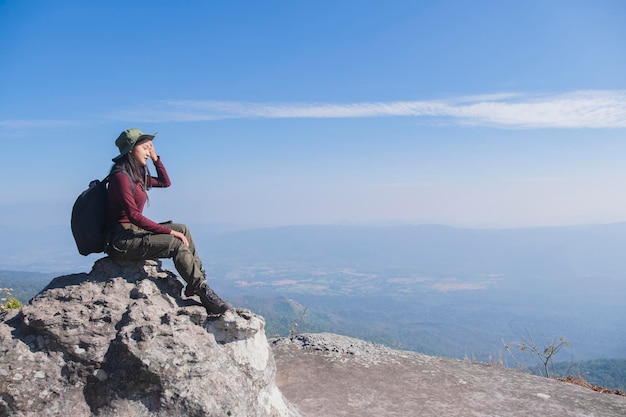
(211,301)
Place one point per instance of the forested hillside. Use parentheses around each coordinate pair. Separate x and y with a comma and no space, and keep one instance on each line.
(24,285)
(607,373)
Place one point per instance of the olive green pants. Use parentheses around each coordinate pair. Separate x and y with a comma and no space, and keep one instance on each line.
(131,243)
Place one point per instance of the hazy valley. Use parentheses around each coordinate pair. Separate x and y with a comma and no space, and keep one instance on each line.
(433,289)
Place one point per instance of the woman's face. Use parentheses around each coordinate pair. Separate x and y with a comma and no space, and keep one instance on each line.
(141,152)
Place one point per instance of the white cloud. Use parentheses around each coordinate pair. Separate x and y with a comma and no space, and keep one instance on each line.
(580,109)
(16,128)
(533,180)
(187,110)
(585,109)
(32,123)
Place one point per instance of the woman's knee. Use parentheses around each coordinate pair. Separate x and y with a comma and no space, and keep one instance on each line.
(179,227)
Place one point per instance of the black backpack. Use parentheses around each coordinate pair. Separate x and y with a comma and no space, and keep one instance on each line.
(89,216)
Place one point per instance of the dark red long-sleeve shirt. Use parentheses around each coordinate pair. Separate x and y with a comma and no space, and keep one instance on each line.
(127,207)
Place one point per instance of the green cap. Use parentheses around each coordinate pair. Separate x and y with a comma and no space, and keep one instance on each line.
(128,138)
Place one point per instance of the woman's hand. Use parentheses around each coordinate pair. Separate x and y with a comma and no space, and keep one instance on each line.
(180,236)
(153,154)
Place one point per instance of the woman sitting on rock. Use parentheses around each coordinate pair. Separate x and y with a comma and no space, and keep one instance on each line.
(132,236)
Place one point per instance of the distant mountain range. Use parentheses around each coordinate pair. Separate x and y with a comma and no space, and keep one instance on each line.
(435,289)
(578,250)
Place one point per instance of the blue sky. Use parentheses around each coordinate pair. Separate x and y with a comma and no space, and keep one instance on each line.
(476,114)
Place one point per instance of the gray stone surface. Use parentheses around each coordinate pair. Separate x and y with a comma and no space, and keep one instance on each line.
(331,375)
(120,341)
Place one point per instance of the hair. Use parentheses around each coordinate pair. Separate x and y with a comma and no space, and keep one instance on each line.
(138,174)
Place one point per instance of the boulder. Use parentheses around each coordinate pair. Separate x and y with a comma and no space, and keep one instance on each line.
(122,341)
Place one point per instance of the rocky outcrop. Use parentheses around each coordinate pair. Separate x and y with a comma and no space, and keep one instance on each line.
(120,341)
(331,375)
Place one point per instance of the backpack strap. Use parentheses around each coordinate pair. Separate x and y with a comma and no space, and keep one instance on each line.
(115,171)
(132,187)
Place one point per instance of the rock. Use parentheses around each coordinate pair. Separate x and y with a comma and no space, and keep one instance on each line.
(120,341)
(332,375)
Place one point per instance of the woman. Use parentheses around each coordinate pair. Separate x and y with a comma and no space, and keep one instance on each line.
(132,236)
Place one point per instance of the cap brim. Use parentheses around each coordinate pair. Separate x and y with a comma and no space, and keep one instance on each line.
(129,147)
(146,137)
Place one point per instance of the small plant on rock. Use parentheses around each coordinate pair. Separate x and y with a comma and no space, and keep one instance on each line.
(7,302)
(546,354)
